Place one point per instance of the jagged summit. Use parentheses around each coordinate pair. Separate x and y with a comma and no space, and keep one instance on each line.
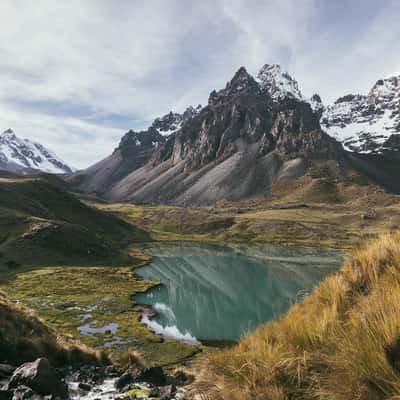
(367,123)
(172,122)
(278,82)
(19,155)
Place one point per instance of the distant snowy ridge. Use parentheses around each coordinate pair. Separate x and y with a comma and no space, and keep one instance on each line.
(367,123)
(19,155)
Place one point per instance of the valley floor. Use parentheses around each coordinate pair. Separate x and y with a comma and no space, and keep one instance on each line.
(336,224)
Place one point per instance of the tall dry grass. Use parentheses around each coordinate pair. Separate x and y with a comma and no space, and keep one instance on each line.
(340,343)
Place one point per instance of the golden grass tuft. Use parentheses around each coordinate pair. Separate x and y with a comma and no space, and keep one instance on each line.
(340,343)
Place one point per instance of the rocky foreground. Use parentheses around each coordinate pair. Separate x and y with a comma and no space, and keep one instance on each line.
(38,380)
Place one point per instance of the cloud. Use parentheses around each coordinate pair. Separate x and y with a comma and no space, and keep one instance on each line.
(76,75)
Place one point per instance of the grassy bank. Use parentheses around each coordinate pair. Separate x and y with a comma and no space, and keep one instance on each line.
(93,304)
(340,343)
(23,337)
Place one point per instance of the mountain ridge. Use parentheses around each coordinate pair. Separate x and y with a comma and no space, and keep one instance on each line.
(252,133)
(24,155)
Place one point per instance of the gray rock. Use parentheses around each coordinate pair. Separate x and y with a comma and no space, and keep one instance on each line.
(167,392)
(124,380)
(41,377)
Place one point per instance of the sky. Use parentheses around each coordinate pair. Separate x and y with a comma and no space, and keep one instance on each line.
(76,75)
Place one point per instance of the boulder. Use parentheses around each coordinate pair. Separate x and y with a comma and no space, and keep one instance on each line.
(124,380)
(154,375)
(84,386)
(25,393)
(167,392)
(41,377)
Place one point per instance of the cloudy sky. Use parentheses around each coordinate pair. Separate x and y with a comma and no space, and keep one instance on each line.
(77,74)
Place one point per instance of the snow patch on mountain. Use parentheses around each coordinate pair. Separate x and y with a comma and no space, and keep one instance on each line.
(172,122)
(17,155)
(278,83)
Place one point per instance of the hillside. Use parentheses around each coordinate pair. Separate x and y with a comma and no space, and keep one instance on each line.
(340,343)
(42,224)
(25,337)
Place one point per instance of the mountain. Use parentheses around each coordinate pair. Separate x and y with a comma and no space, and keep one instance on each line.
(367,123)
(134,150)
(254,134)
(23,155)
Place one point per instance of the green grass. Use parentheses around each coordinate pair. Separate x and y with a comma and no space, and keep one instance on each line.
(63,296)
(24,337)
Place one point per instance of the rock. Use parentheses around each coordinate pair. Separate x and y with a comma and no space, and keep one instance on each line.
(41,377)
(124,380)
(167,392)
(25,393)
(111,371)
(180,378)
(154,375)
(84,386)
(6,370)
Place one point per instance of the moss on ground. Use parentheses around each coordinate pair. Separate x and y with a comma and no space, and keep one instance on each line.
(69,298)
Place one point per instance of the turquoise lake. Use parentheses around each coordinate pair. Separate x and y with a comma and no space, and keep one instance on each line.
(213,292)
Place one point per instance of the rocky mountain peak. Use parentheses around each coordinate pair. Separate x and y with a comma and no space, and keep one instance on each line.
(8,133)
(17,155)
(241,82)
(278,83)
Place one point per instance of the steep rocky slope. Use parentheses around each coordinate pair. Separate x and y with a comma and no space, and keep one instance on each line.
(252,134)
(23,155)
(134,150)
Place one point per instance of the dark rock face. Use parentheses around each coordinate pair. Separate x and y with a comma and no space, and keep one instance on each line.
(40,377)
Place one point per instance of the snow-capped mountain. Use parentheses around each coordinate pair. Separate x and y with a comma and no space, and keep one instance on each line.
(273,79)
(367,123)
(19,155)
(278,83)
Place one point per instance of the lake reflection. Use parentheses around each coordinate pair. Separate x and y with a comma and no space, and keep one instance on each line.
(220,292)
